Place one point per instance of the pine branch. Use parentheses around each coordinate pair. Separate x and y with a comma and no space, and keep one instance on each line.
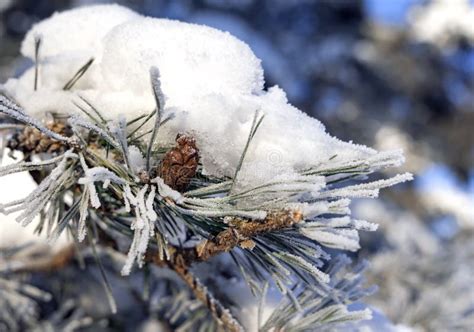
(272,230)
(9,108)
(323,312)
(240,233)
(220,314)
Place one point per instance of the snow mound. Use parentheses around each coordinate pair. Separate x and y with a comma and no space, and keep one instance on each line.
(212,81)
(193,59)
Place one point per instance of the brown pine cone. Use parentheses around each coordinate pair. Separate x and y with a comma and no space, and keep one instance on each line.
(32,140)
(179,165)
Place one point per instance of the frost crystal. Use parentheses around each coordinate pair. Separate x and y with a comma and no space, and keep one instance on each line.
(142,225)
(93,175)
(38,198)
(166,191)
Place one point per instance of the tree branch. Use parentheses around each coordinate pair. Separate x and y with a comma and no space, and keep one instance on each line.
(222,315)
(239,233)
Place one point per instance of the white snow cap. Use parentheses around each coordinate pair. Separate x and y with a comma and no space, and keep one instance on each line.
(192,59)
(212,81)
(75,32)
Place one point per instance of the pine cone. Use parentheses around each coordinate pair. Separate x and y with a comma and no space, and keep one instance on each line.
(179,165)
(32,140)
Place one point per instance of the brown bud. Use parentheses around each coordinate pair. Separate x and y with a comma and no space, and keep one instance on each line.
(179,165)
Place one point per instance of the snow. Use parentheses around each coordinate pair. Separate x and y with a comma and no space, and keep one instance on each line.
(86,26)
(193,59)
(213,84)
(441,20)
(167,191)
(136,159)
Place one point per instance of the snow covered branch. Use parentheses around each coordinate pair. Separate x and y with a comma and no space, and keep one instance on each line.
(232,169)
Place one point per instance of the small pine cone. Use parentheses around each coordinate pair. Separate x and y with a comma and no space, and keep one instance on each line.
(32,140)
(29,139)
(179,165)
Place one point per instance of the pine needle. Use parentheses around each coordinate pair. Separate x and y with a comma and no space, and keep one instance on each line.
(37,49)
(257,121)
(11,109)
(78,75)
(165,120)
(94,109)
(148,117)
(261,306)
(105,280)
(160,103)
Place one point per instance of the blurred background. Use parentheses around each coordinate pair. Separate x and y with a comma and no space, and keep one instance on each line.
(385,73)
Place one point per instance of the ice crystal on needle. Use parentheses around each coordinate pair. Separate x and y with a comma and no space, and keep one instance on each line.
(142,225)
